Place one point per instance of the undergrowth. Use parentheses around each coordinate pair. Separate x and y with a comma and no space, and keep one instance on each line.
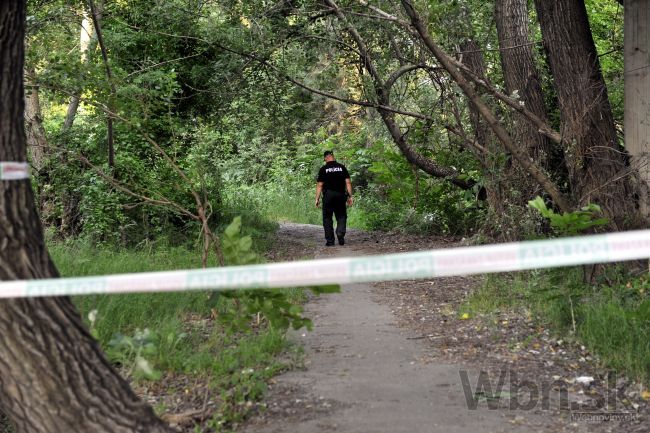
(232,340)
(277,202)
(606,308)
(295,203)
(610,317)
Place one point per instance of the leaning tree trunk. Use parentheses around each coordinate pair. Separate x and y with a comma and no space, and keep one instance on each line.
(53,376)
(382,89)
(518,152)
(596,164)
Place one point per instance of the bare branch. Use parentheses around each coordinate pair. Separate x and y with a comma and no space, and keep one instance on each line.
(122,187)
(543,127)
(206,232)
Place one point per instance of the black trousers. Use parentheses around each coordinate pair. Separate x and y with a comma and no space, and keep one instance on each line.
(334,202)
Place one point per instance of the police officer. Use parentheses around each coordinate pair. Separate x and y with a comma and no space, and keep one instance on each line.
(336,188)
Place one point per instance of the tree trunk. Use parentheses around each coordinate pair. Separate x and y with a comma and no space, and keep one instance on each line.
(36,140)
(519,153)
(110,140)
(595,162)
(53,376)
(472,56)
(502,185)
(70,200)
(637,94)
(520,74)
(87,43)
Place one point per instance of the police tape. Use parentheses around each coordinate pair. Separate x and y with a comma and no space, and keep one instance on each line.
(518,256)
(14,170)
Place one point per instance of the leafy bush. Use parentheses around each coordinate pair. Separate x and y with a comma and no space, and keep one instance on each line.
(570,223)
(148,332)
(273,305)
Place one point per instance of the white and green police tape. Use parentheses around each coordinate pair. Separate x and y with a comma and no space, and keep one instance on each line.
(14,170)
(517,256)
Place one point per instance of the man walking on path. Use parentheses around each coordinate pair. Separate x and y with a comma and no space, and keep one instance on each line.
(336,188)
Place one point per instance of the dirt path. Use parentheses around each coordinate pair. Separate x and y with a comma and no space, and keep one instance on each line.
(388,358)
(364,374)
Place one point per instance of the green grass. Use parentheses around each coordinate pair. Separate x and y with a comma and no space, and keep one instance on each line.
(611,318)
(294,203)
(615,324)
(79,258)
(126,313)
(276,202)
(181,336)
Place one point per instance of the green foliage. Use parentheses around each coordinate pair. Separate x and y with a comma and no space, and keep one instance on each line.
(615,322)
(570,223)
(606,22)
(262,142)
(277,202)
(130,313)
(148,335)
(273,305)
(237,248)
(384,185)
(132,352)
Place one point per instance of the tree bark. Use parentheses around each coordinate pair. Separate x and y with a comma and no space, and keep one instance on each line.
(520,74)
(36,140)
(53,376)
(507,187)
(637,95)
(495,185)
(595,163)
(472,57)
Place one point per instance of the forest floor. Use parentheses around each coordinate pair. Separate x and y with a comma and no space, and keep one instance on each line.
(390,357)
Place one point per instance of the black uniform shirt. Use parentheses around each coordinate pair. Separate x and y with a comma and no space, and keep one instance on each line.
(333,176)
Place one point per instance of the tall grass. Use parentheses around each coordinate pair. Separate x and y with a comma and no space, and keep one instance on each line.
(615,325)
(295,203)
(182,335)
(277,202)
(125,313)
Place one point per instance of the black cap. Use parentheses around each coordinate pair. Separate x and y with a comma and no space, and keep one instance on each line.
(327,153)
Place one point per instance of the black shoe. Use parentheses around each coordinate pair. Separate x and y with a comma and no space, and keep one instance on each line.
(341,240)
(329,244)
